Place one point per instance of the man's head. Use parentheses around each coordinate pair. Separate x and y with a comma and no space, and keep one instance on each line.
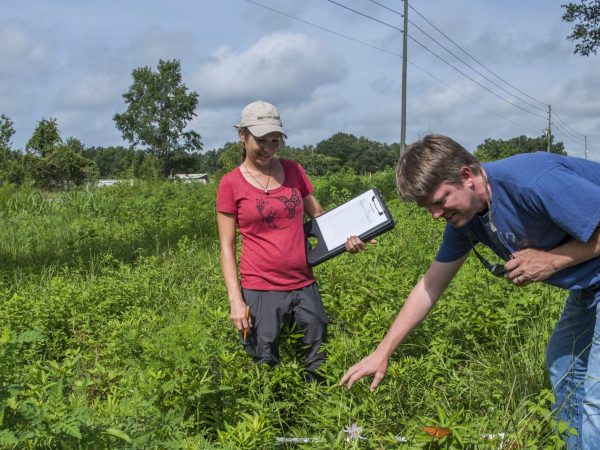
(441,176)
(427,163)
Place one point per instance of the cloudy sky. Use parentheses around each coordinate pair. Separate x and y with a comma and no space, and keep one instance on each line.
(326,68)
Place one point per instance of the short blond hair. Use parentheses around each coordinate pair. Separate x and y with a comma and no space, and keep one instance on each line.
(427,163)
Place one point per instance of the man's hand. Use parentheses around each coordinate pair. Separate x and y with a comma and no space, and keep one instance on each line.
(374,364)
(529,265)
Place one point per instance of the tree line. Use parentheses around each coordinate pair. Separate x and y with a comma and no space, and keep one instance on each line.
(159,108)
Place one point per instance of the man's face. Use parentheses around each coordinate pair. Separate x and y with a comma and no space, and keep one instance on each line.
(455,203)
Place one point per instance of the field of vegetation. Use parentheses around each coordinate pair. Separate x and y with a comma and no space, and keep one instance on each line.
(115,333)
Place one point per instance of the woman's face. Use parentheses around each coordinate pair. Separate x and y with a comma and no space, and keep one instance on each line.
(260,150)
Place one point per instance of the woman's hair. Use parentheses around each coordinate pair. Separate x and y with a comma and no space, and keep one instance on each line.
(245,132)
(427,163)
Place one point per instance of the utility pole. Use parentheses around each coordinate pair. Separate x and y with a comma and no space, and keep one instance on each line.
(404,59)
(549,125)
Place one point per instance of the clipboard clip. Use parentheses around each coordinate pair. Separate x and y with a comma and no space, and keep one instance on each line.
(375,202)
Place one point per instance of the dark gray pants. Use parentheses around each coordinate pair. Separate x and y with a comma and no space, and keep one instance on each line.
(271,310)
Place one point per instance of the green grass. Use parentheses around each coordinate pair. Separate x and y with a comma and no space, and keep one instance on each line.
(115,333)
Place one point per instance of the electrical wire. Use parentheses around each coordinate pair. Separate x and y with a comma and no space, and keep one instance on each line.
(520,125)
(558,119)
(559,124)
(567,133)
(325,29)
(462,60)
(475,59)
(365,15)
(441,59)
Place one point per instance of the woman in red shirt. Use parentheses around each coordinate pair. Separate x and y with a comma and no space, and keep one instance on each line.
(266,198)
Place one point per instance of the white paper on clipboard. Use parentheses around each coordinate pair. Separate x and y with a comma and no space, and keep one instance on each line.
(353,218)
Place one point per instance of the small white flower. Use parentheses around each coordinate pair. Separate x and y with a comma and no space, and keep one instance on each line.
(353,432)
(401,439)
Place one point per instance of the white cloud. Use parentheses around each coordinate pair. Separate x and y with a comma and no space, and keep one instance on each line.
(96,91)
(20,53)
(281,68)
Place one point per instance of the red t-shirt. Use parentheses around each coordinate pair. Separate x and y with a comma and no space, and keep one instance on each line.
(273,246)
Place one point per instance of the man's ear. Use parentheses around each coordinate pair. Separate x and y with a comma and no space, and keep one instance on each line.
(468,177)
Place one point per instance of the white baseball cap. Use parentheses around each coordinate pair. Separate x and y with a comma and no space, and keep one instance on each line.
(260,118)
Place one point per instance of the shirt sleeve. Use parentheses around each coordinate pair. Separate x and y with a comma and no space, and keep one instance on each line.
(569,200)
(455,244)
(306,186)
(225,200)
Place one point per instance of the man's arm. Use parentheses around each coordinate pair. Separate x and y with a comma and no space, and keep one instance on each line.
(418,304)
(532,264)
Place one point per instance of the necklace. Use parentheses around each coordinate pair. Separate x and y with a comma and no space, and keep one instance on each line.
(265,187)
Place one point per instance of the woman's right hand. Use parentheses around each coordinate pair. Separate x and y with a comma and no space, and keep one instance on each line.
(240,316)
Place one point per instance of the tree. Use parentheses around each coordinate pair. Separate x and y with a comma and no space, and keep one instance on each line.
(360,154)
(586,18)
(7,130)
(75,144)
(159,109)
(64,167)
(230,157)
(493,149)
(314,163)
(45,137)
(12,168)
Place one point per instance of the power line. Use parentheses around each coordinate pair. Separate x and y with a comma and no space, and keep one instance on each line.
(393,54)
(559,124)
(365,15)
(567,126)
(475,59)
(325,29)
(461,60)
(441,59)
(567,133)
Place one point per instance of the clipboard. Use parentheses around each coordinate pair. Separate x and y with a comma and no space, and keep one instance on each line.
(365,216)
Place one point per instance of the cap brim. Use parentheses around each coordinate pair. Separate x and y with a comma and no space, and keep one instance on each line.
(262,130)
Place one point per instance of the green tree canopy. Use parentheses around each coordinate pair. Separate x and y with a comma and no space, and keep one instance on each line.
(313,163)
(75,144)
(493,149)
(45,137)
(585,15)
(360,154)
(63,167)
(159,109)
(7,130)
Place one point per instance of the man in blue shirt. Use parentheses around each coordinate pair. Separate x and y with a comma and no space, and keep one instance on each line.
(540,212)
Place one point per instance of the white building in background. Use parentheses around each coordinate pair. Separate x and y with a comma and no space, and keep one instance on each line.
(107,182)
(191,177)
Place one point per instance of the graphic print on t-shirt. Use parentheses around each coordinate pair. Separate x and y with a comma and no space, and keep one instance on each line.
(291,203)
(269,209)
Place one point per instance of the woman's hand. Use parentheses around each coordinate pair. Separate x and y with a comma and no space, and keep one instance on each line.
(239,316)
(355,245)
